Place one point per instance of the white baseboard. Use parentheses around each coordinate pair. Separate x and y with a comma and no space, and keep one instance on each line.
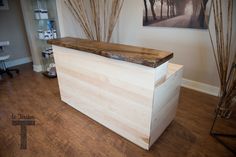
(20,61)
(201,87)
(11,63)
(38,68)
(198,86)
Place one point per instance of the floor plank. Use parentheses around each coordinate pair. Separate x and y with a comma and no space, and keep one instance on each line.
(61,130)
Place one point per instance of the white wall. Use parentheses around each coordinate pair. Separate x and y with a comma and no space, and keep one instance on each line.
(68,24)
(191,47)
(12,29)
(69,27)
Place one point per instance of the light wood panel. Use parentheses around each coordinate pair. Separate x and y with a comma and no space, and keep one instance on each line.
(117,94)
(166,96)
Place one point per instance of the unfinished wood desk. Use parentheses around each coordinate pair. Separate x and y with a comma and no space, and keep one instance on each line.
(131,90)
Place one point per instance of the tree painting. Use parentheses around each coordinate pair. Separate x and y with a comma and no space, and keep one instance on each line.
(176,13)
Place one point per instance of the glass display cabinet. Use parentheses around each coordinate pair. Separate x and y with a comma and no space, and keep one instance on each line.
(45,17)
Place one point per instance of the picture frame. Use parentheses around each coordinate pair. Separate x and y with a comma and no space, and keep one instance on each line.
(4,5)
(177,13)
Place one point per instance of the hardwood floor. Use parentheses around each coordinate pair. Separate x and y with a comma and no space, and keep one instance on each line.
(61,130)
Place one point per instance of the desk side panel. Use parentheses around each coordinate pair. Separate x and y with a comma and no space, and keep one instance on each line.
(166,98)
(115,93)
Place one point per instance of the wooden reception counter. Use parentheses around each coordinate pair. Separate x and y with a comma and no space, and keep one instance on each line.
(131,90)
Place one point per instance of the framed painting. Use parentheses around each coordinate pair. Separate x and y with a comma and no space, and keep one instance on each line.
(4,5)
(177,13)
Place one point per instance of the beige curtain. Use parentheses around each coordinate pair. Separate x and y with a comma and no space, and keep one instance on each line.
(97,18)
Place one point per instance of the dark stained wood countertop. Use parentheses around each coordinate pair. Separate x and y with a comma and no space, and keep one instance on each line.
(138,55)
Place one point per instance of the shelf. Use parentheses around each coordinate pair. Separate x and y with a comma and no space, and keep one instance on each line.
(45,39)
(49,19)
(48,22)
(47,74)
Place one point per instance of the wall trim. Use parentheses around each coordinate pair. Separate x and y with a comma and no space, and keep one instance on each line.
(38,68)
(198,86)
(12,63)
(201,87)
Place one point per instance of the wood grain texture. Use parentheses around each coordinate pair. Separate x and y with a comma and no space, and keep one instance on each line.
(138,55)
(117,94)
(62,131)
(166,99)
